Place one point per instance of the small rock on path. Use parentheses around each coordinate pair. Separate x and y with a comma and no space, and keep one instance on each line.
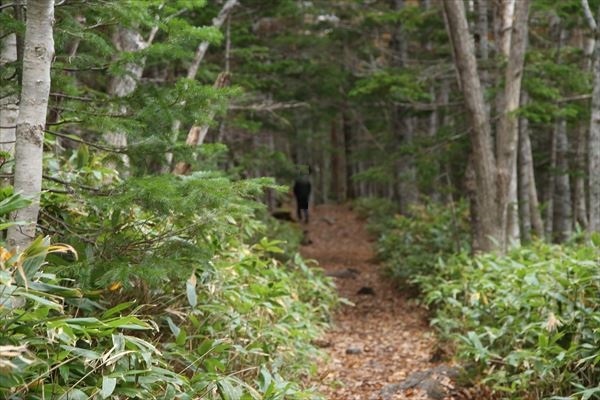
(384,338)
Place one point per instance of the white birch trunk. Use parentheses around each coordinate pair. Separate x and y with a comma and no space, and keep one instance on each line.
(125,40)
(37,59)
(9,103)
(503,21)
(508,131)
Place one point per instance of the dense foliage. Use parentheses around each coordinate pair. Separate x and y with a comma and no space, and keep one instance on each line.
(163,307)
(525,324)
(528,321)
(411,245)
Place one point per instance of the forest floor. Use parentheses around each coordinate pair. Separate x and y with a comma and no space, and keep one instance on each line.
(381,341)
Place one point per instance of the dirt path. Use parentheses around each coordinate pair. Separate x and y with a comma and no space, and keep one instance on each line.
(384,337)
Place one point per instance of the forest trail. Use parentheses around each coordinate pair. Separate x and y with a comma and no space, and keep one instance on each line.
(384,337)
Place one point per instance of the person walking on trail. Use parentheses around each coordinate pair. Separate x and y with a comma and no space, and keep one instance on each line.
(302,193)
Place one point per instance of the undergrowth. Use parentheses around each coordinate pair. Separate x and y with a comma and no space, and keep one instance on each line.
(525,324)
(174,288)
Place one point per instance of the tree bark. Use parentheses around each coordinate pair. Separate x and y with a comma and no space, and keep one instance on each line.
(482,29)
(504,11)
(550,188)
(338,162)
(348,142)
(403,126)
(529,203)
(480,133)
(562,227)
(579,201)
(9,102)
(594,135)
(508,131)
(524,164)
(31,121)
(125,40)
(580,214)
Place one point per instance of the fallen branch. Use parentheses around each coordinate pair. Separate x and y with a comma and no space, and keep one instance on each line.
(268,106)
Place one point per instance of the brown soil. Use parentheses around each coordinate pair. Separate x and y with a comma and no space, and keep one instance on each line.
(384,337)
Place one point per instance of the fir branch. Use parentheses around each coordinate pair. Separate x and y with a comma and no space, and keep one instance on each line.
(64,121)
(65,225)
(69,184)
(428,106)
(66,96)
(574,98)
(69,69)
(91,144)
(268,106)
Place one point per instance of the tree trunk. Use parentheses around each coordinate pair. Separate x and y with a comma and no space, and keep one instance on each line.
(504,10)
(348,142)
(594,137)
(480,133)
(338,162)
(217,22)
(125,40)
(529,204)
(482,29)
(9,103)
(508,130)
(403,126)
(562,227)
(31,121)
(524,164)
(580,215)
(579,202)
(550,188)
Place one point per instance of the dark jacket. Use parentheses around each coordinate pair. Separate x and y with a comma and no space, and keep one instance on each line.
(302,192)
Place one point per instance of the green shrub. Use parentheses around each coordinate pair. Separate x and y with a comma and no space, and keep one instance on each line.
(412,245)
(528,322)
(375,209)
(176,294)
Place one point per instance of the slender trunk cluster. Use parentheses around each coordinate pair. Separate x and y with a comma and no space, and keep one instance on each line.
(495,188)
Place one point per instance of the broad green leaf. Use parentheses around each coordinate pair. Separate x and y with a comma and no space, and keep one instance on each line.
(228,391)
(13,203)
(40,300)
(117,309)
(74,394)
(108,386)
(190,289)
(174,328)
